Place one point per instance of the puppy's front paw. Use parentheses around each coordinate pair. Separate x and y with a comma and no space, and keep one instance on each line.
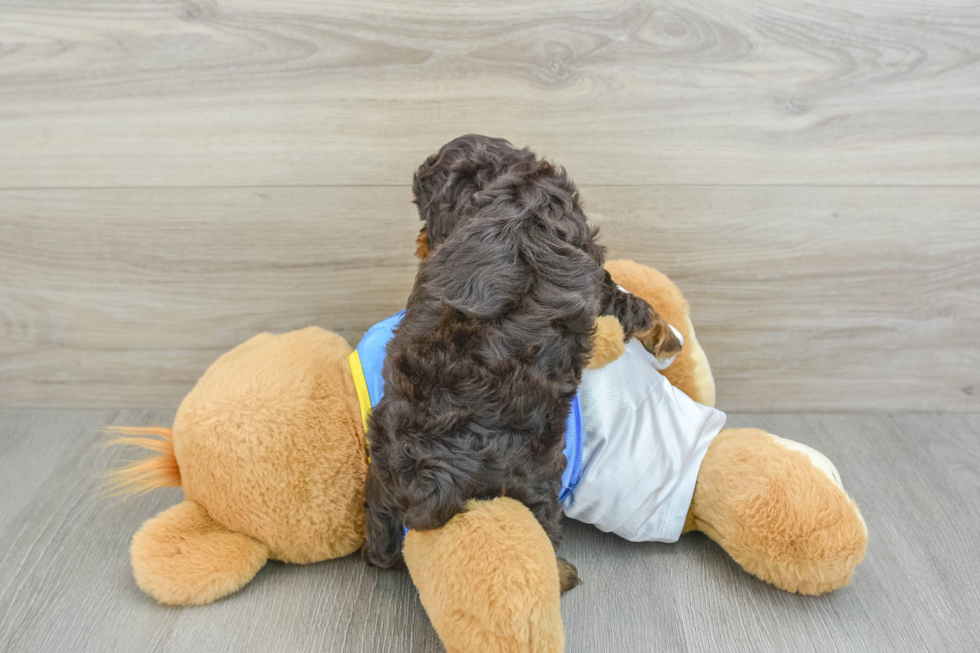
(660,340)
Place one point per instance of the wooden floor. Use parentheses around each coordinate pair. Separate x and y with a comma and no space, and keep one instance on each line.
(65,582)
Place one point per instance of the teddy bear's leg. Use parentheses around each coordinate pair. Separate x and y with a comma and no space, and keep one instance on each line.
(183,557)
(489,581)
(690,371)
(778,508)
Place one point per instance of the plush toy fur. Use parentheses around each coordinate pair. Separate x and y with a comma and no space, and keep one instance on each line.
(516,607)
(269,450)
(607,342)
(777,514)
(690,371)
(274,403)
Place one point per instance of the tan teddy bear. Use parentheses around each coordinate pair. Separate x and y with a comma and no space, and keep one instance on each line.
(269,449)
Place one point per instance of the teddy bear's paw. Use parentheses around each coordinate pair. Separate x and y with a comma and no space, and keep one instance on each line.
(183,557)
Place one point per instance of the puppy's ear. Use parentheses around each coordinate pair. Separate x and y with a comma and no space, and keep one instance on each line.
(425,186)
(478,270)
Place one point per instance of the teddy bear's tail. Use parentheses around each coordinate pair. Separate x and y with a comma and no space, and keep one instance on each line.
(150,473)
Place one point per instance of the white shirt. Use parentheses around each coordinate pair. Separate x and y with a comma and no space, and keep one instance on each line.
(644,441)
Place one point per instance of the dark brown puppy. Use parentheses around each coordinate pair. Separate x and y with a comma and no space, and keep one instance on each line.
(447,187)
(480,373)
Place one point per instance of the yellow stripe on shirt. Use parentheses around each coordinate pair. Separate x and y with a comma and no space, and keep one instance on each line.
(360,385)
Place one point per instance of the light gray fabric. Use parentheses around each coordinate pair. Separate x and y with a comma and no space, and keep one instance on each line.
(644,443)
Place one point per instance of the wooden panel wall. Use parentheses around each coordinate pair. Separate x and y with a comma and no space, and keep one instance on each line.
(177,176)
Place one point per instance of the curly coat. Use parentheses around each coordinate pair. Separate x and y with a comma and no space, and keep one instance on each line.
(481,371)
(447,190)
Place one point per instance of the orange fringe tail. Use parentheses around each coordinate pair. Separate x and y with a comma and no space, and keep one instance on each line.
(143,475)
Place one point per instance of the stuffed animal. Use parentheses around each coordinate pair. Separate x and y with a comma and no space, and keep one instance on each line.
(269,449)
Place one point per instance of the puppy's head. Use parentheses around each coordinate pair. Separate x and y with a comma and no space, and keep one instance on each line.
(446,183)
(521,243)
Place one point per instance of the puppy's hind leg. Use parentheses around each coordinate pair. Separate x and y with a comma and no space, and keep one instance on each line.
(549,513)
(567,575)
(383,533)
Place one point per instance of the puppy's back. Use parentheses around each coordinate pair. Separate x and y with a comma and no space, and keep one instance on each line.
(480,372)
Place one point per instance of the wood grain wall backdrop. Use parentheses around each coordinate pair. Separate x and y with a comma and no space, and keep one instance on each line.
(177,176)
(818,298)
(230,92)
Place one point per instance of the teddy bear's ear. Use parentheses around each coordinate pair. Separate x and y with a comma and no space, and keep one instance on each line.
(607,342)
(422,245)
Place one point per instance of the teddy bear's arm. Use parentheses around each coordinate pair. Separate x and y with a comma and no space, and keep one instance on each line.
(690,371)
(488,580)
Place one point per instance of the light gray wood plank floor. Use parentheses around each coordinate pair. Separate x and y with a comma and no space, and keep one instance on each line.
(65,582)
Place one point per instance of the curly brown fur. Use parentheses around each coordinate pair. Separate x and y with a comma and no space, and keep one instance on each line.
(446,184)
(567,576)
(447,188)
(482,369)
